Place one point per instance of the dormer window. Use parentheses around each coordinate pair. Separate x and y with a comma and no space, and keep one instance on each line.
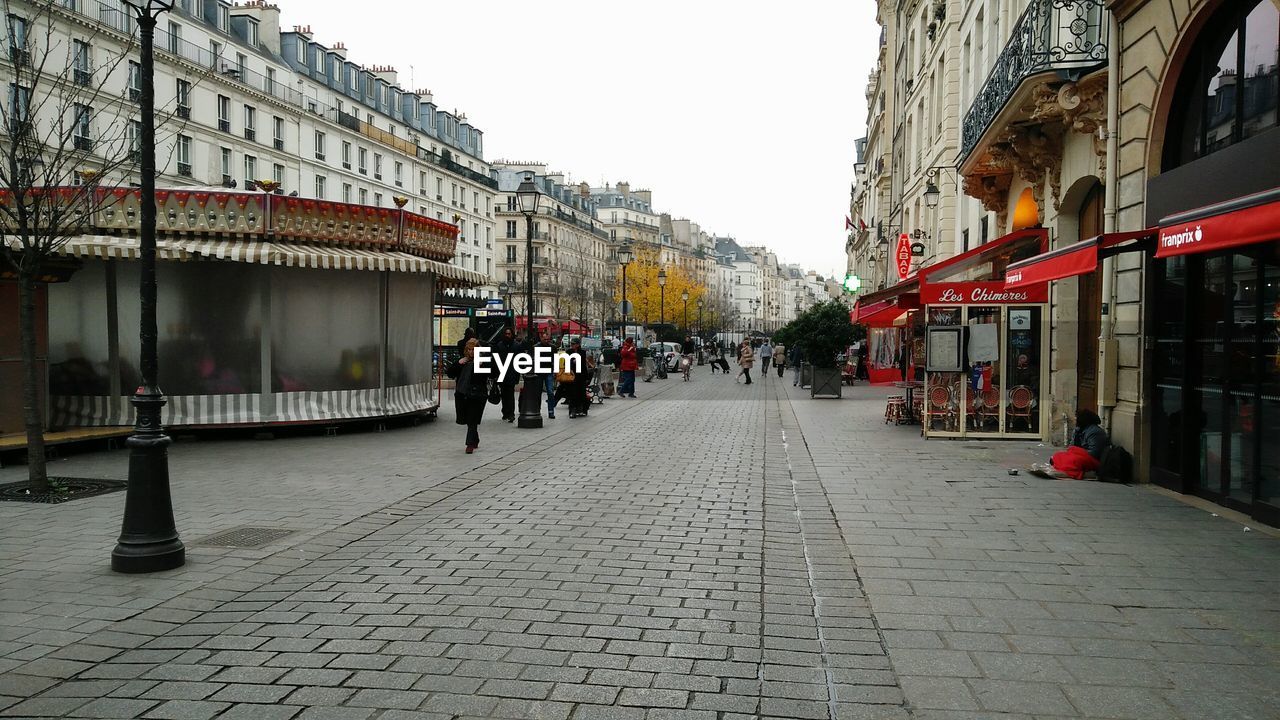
(251,32)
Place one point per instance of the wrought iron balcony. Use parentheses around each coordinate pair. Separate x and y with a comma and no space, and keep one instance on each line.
(1064,36)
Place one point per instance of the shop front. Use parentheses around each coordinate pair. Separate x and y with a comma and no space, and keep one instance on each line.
(1215,374)
(986,346)
(891,317)
(1212,357)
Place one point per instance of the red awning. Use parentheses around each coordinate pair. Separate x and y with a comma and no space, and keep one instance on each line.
(907,293)
(882,313)
(1075,259)
(1007,244)
(1243,221)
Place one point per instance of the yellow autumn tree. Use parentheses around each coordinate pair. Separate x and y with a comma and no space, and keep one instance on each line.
(646,296)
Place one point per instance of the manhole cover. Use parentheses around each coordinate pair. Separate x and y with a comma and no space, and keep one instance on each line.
(244,537)
(60,490)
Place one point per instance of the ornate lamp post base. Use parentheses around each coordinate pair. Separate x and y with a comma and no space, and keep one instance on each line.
(530,402)
(148,538)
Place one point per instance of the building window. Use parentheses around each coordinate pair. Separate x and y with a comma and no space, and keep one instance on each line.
(277,132)
(18,31)
(83,123)
(364,196)
(224,113)
(277,174)
(319,145)
(215,54)
(1228,84)
(82,62)
(242,62)
(440,189)
(250,123)
(346,155)
(182,99)
(251,32)
(346,192)
(320,186)
(184,156)
(511,253)
(226,166)
(175,37)
(362,164)
(475,202)
(250,170)
(377,199)
(399,177)
(135,81)
(135,140)
(511,228)
(377,166)
(224,18)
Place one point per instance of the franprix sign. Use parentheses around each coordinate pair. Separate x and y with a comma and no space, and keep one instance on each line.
(902,256)
(982,293)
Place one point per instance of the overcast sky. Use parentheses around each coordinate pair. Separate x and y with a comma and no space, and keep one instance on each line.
(738,115)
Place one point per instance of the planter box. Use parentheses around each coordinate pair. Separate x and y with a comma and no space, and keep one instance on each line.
(806,375)
(827,383)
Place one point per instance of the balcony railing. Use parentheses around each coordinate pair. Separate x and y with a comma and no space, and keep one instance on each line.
(1052,35)
(248,214)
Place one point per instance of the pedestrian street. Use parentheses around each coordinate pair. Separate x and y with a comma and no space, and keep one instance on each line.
(711,550)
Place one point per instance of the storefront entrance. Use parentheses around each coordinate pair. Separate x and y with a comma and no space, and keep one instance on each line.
(1216,398)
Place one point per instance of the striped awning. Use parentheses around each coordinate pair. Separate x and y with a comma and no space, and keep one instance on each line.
(319,257)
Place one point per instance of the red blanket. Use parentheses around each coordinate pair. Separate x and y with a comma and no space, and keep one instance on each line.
(1075,461)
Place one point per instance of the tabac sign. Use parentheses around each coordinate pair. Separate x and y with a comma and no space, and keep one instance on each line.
(982,293)
(902,256)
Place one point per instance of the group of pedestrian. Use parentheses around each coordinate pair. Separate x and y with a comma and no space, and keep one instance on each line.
(568,384)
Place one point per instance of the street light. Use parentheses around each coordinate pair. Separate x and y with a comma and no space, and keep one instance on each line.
(625,257)
(662,296)
(149,539)
(931,194)
(684,295)
(531,389)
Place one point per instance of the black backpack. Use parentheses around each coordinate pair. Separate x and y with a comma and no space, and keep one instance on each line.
(1116,465)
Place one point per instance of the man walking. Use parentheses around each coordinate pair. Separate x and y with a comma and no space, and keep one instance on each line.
(627,366)
(766,354)
(506,349)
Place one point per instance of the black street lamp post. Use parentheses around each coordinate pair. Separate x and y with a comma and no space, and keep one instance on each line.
(531,389)
(684,295)
(149,539)
(700,331)
(662,297)
(625,257)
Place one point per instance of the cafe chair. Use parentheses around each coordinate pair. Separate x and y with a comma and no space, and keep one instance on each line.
(895,410)
(941,407)
(1020,399)
(988,407)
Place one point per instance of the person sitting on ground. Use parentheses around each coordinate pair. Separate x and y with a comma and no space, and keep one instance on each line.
(1088,443)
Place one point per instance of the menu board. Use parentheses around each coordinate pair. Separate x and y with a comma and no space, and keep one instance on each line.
(943,349)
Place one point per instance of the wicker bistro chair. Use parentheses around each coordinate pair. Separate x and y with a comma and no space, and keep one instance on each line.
(989,409)
(942,407)
(895,410)
(1020,399)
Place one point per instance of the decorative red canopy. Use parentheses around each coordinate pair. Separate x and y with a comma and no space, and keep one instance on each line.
(1075,259)
(1242,221)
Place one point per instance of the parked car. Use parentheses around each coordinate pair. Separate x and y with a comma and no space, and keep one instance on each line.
(670,352)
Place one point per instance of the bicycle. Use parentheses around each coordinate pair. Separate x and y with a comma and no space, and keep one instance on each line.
(686,362)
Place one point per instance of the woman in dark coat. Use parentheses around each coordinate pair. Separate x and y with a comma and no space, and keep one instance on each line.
(470,393)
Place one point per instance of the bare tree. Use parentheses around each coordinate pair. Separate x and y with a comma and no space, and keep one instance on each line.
(65,132)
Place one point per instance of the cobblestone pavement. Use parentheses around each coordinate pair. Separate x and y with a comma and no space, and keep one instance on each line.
(717,551)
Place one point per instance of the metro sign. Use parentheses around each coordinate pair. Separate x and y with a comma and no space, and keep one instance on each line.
(902,256)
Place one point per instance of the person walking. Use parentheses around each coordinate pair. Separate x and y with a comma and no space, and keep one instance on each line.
(627,366)
(797,359)
(506,349)
(746,358)
(470,393)
(766,354)
(575,391)
(780,358)
(548,380)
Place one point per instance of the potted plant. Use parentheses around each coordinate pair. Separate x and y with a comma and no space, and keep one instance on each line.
(822,333)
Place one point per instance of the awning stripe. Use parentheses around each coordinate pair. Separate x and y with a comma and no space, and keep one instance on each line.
(269,253)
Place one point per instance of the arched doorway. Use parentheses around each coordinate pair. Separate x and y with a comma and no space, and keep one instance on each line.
(1089,304)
